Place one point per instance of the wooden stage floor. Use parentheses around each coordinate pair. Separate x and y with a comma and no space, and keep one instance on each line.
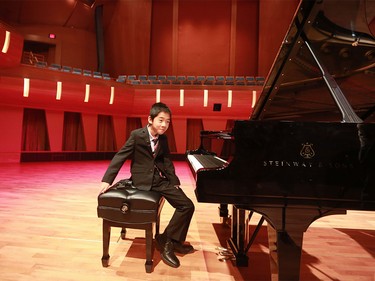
(50,231)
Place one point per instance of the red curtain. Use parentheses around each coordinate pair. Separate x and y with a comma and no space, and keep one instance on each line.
(106,140)
(34,130)
(73,136)
(194,128)
(132,123)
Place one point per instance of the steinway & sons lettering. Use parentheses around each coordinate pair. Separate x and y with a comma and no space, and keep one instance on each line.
(306,164)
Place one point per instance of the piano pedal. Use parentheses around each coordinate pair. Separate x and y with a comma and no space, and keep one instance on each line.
(225,254)
(224,259)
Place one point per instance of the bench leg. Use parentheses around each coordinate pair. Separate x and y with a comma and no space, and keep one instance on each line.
(106,238)
(123,233)
(149,248)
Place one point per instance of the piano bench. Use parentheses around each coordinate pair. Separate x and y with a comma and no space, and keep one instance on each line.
(125,206)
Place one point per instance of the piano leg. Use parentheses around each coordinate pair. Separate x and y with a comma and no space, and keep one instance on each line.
(285,255)
(286,233)
(237,240)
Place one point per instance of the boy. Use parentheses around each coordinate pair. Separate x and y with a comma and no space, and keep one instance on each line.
(152,169)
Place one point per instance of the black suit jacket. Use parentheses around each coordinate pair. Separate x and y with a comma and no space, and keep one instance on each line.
(138,149)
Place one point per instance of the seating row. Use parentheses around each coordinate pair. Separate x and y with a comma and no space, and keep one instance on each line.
(190,80)
(74,70)
(161,79)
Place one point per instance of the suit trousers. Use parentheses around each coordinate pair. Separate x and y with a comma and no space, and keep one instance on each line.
(178,226)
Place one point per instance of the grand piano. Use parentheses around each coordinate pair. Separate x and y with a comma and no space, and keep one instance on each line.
(307,150)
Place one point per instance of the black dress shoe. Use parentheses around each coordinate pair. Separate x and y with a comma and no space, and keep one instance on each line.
(167,254)
(182,248)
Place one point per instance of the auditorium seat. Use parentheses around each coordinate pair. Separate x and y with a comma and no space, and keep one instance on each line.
(199,80)
(66,68)
(162,77)
(121,78)
(220,80)
(55,66)
(152,77)
(106,76)
(250,80)
(259,80)
(77,70)
(210,80)
(134,82)
(171,78)
(180,79)
(97,74)
(229,80)
(240,80)
(131,77)
(144,82)
(189,80)
(87,72)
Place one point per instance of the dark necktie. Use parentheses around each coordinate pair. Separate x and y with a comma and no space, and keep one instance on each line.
(155,141)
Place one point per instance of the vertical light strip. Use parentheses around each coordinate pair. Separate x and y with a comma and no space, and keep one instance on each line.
(6,42)
(205,98)
(26,87)
(181,97)
(229,98)
(58,90)
(157,95)
(87,93)
(254,99)
(112,95)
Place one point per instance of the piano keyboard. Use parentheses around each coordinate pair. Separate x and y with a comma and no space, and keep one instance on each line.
(200,161)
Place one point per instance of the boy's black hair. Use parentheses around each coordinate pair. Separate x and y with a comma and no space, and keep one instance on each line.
(158,107)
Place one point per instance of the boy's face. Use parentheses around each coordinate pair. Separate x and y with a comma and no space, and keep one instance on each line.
(160,123)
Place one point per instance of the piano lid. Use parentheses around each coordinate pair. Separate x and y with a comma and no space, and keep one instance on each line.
(325,68)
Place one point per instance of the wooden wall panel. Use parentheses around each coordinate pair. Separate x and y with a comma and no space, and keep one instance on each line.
(246,43)
(161,37)
(127,38)
(274,20)
(204,37)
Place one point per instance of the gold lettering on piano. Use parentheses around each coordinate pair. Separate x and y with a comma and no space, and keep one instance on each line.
(290,164)
(305,164)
